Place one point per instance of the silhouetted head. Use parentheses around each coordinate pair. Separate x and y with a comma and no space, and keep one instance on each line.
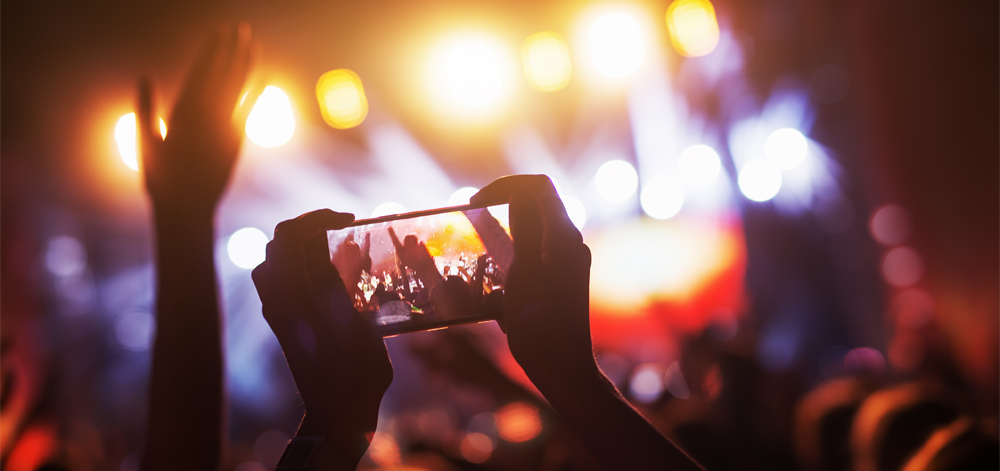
(894,423)
(961,446)
(823,421)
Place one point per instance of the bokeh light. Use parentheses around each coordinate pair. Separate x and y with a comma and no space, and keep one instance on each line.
(342,100)
(247,247)
(616,45)
(518,422)
(694,30)
(902,267)
(698,165)
(473,73)
(575,210)
(913,308)
(126,137)
(786,148)
(462,195)
(760,180)
(646,384)
(674,380)
(890,225)
(271,122)
(65,257)
(662,198)
(864,360)
(387,208)
(384,450)
(546,59)
(476,447)
(616,180)
(134,330)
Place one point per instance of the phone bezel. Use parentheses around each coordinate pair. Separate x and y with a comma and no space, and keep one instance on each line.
(392,330)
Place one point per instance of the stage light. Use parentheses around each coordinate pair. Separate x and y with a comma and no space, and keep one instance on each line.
(662,198)
(462,195)
(126,138)
(247,247)
(616,180)
(786,148)
(693,28)
(760,180)
(271,122)
(388,208)
(616,45)
(646,385)
(575,210)
(698,165)
(473,74)
(546,61)
(342,100)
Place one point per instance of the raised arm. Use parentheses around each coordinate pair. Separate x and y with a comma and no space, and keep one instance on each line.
(547,320)
(186,174)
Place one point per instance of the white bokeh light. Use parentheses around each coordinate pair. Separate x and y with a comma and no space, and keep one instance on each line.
(698,165)
(575,210)
(65,257)
(271,122)
(786,148)
(662,198)
(125,137)
(474,74)
(616,45)
(616,180)
(646,384)
(462,195)
(388,208)
(247,247)
(760,180)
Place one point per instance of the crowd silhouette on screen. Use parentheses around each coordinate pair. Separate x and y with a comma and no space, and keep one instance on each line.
(315,305)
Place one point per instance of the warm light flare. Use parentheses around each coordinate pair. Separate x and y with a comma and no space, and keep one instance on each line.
(616,45)
(518,422)
(342,100)
(127,139)
(546,61)
(473,74)
(693,28)
(271,122)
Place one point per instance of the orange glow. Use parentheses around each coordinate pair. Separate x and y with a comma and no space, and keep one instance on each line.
(643,262)
(694,30)
(126,137)
(342,99)
(476,447)
(546,61)
(384,450)
(518,422)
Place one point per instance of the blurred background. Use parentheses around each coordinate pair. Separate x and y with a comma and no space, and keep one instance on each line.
(782,196)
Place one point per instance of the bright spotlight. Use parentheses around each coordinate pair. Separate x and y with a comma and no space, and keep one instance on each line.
(575,210)
(271,122)
(127,138)
(693,28)
(662,198)
(341,99)
(462,195)
(616,45)
(760,180)
(473,74)
(386,209)
(786,148)
(247,247)
(616,180)
(546,61)
(698,165)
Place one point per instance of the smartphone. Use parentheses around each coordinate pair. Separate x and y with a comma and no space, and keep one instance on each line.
(426,270)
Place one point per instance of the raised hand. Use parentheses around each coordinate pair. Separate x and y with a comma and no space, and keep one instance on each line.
(414,254)
(351,260)
(188,170)
(339,363)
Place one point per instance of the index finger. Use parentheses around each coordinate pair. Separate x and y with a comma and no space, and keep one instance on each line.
(555,220)
(395,240)
(297,231)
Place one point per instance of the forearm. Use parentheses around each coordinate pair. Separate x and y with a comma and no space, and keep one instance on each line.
(186,387)
(616,434)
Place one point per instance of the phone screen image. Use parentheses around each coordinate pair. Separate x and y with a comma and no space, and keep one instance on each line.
(425,270)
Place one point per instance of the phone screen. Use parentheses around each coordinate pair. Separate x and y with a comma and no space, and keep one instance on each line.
(426,270)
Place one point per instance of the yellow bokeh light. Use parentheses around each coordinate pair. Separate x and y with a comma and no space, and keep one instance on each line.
(616,45)
(473,74)
(341,98)
(693,28)
(546,61)
(126,138)
(271,122)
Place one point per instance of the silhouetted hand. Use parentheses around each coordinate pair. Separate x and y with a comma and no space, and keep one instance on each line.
(414,254)
(351,259)
(339,363)
(546,294)
(188,170)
